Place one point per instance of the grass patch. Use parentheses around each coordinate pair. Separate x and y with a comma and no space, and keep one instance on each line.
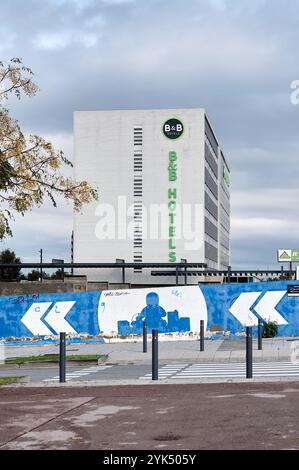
(9,380)
(53,358)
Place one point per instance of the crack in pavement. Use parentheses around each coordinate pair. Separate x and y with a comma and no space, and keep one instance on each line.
(59,415)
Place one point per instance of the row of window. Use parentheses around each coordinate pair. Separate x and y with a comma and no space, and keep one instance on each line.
(211,195)
(137,194)
(211,217)
(210,182)
(211,160)
(211,240)
(210,135)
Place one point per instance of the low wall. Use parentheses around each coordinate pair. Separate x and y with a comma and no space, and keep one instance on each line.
(225,309)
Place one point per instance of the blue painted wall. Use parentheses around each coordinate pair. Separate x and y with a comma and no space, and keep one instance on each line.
(220,298)
(83,316)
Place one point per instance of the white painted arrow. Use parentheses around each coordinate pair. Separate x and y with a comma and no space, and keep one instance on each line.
(56,317)
(266,306)
(241,308)
(32,318)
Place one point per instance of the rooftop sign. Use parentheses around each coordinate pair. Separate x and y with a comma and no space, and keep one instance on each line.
(284,256)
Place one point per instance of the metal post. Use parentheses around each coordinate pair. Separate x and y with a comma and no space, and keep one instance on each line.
(260,339)
(62,358)
(176,275)
(123,276)
(248,352)
(144,337)
(281,273)
(228,274)
(72,251)
(154,354)
(41,261)
(202,335)
(184,261)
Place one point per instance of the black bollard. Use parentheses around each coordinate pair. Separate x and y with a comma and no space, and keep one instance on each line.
(248,352)
(260,338)
(154,354)
(62,358)
(202,335)
(144,337)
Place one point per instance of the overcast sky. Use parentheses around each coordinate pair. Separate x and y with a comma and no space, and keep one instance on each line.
(235,58)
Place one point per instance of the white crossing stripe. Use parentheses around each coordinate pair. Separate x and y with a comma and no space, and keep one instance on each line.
(166,371)
(259,369)
(78,373)
(237,369)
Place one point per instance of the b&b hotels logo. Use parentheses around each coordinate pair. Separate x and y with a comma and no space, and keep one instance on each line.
(173,128)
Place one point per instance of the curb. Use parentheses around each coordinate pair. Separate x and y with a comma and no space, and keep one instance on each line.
(203,360)
(103,359)
(112,383)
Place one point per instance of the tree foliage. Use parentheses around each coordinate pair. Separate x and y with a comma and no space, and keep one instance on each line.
(11,274)
(270,329)
(30,167)
(34,275)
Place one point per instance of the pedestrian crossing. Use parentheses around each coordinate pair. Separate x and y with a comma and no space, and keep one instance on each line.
(167,371)
(79,373)
(225,370)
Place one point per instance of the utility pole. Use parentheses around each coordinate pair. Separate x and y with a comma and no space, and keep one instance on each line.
(72,251)
(41,261)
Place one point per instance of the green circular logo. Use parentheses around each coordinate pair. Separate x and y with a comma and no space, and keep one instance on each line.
(173,128)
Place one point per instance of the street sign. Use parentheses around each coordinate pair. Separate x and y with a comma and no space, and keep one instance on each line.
(287,255)
(33,320)
(265,308)
(293,290)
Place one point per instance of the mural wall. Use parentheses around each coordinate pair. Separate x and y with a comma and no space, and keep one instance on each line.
(223,308)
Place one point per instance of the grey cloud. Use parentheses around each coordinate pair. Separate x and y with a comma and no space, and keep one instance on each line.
(237,59)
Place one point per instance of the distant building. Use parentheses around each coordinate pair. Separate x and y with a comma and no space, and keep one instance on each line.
(164,191)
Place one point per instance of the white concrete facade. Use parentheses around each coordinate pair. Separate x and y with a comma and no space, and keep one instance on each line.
(160,198)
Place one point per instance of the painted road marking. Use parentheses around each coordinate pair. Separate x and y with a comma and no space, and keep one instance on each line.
(214,370)
(166,371)
(79,373)
(260,369)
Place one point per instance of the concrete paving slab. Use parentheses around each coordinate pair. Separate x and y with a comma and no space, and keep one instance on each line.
(194,416)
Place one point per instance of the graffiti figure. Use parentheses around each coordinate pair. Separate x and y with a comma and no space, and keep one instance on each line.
(156,317)
(153,313)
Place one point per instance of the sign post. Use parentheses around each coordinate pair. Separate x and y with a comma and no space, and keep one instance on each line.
(62,358)
(248,352)
(154,354)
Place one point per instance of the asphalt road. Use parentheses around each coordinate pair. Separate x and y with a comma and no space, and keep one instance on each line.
(80,373)
(136,372)
(157,417)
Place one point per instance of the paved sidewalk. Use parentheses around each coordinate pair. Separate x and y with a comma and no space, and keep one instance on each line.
(205,416)
(215,351)
(276,349)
